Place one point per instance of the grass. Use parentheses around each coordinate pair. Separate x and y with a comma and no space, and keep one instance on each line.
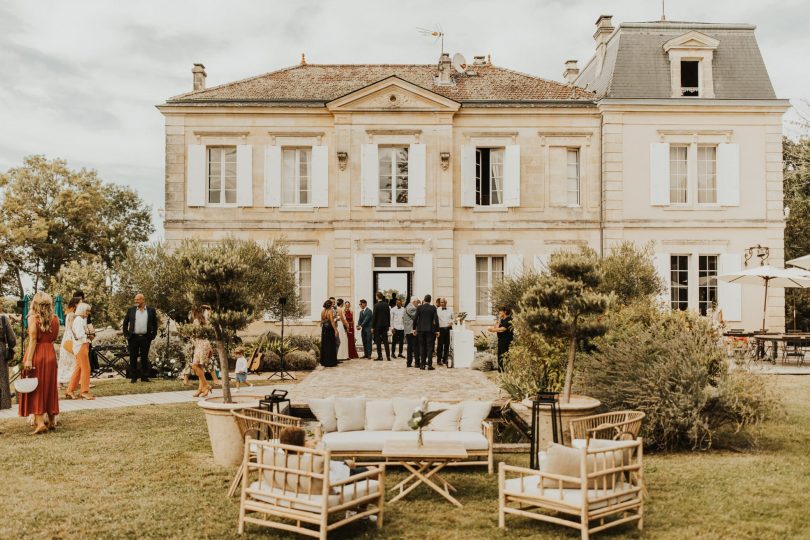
(119,387)
(147,472)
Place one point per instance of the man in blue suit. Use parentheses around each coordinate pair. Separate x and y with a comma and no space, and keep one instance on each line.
(364,325)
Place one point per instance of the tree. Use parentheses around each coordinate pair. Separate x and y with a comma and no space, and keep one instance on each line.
(797,223)
(629,273)
(566,304)
(91,278)
(239,280)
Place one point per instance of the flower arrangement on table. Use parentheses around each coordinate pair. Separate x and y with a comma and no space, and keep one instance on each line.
(421,419)
(461,317)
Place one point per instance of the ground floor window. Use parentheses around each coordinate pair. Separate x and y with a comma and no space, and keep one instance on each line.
(488,272)
(679,281)
(707,280)
(301,267)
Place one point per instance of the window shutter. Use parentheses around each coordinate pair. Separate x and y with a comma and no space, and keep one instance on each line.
(728,174)
(511,175)
(320,284)
(467,175)
(659,174)
(558,175)
(466,285)
(416,175)
(196,182)
(423,274)
(514,265)
(729,295)
(662,266)
(363,279)
(370,174)
(320,176)
(244,175)
(272,176)
(541,263)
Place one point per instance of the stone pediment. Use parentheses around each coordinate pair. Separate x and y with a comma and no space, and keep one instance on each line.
(691,40)
(393,94)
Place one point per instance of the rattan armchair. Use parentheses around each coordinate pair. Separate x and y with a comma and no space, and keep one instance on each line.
(618,425)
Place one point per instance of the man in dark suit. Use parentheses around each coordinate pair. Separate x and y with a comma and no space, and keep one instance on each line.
(364,325)
(380,323)
(426,329)
(140,328)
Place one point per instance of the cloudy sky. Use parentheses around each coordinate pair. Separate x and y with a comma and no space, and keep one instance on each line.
(79,79)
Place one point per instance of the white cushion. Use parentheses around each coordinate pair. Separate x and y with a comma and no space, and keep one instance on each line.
(324,411)
(403,410)
(350,493)
(350,413)
(379,415)
(473,413)
(598,444)
(573,497)
(373,441)
(446,421)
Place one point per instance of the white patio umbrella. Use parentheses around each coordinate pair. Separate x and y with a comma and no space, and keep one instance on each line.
(801,262)
(769,275)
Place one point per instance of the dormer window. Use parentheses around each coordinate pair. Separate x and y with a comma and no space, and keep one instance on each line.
(690,59)
(690,85)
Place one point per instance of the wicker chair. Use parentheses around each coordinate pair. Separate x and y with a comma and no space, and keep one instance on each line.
(261,425)
(618,425)
(288,488)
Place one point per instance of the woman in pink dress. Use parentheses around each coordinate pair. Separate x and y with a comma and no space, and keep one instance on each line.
(349,316)
(40,362)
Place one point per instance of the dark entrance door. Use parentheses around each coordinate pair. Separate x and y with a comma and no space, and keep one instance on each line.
(396,280)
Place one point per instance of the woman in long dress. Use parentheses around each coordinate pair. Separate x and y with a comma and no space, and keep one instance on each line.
(67,360)
(343,349)
(348,315)
(329,333)
(40,361)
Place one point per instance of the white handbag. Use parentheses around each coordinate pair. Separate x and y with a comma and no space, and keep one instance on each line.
(26,385)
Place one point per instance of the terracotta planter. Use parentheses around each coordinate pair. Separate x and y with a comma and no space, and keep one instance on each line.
(226,442)
(578,407)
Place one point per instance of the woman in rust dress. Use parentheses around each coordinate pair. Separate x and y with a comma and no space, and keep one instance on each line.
(40,360)
(348,314)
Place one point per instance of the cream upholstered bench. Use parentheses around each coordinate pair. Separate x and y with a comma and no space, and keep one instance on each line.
(358,428)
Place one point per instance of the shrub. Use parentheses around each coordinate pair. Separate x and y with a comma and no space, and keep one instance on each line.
(485,342)
(484,361)
(172,364)
(306,343)
(510,290)
(532,368)
(630,273)
(293,361)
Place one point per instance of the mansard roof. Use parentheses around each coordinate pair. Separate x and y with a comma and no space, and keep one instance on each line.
(317,84)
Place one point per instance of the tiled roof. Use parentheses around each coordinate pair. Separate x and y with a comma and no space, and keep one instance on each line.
(321,83)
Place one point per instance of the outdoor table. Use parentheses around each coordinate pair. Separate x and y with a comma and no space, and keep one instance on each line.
(424,464)
(113,358)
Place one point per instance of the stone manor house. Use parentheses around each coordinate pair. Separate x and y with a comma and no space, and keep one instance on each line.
(442,179)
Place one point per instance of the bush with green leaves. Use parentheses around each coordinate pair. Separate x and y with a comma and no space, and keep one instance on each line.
(533,366)
(630,274)
(170,359)
(510,290)
(485,342)
(305,342)
(293,361)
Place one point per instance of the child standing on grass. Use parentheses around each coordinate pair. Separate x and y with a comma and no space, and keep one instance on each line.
(241,367)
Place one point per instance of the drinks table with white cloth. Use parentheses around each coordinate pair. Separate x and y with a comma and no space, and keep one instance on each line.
(461,341)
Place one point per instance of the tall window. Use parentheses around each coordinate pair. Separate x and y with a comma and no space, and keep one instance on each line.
(488,272)
(222,175)
(707,174)
(690,85)
(393,175)
(572,173)
(678,173)
(301,267)
(707,283)
(679,281)
(488,176)
(295,183)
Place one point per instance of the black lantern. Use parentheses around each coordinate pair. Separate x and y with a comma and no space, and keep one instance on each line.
(551,401)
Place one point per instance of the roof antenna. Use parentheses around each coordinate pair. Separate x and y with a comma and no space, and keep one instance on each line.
(437,33)
(663,10)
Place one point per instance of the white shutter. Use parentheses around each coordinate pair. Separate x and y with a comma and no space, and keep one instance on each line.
(729,295)
(423,274)
(320,176)
(320,284)
(370,174)
(363,279)
(466,285)
(511,175)
(196,183)
(244,175)
(514,265)
(416,175)
(728,174)
(467,175)
(272,176)
(541,263)
(558,175)
(659,174)
(664,269)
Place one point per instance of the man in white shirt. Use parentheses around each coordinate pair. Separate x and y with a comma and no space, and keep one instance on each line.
(398,328)
(445,325)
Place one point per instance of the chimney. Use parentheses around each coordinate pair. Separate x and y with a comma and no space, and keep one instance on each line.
(445,68)
(604,27)
(571,71)
(198,72)
(479,60)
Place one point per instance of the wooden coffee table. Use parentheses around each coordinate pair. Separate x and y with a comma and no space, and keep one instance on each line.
(424,465)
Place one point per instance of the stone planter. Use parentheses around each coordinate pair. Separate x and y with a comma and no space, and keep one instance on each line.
(578,407)
(226,442)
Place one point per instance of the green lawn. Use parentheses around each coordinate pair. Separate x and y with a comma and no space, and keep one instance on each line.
(147,473)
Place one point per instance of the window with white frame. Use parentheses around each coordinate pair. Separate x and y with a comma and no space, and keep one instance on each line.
(221,175)
(690,78)
(707,283)
(393,174)
(679,282)
(707,174)
(678,173)
(572,174)
(488,272)
(301,267)
(489,176)
(296,176)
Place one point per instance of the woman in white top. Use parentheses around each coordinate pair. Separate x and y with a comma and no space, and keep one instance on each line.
(67,360)
(81,349)
(343,349)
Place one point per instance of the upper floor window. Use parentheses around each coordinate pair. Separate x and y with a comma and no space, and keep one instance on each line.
(707,174)
(488,176)
(572,180)
(690,78)
(296,185)
(393,175)
(221,175)
(678,174)
(488,272)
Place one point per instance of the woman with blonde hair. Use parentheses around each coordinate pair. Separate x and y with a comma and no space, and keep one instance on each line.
(40,361)
(81,349)
(67,358)
(203,352)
